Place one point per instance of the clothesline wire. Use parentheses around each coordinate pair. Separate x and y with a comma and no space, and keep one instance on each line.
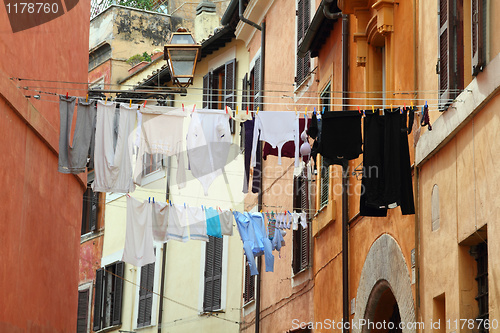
(402,99)
(255,91)
(165,297)
(309,105)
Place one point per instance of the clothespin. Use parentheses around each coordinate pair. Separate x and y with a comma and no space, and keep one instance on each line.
(289,212)
(184,205)
(247,109)
(295,111)
(202,207)
(194,107)
(153,199)
(323,112)
(149,200)
(359,110)
(404,108)
(257,110)
(364,114)
(411,105)
(130,105)
(170,203)
(236,109)
(425,103)
(183,108)
(305,114)
(87,98)
(373,109)
(106,101)
(144,105)
(314,111)
(67,95)
(391,107)
(226,110)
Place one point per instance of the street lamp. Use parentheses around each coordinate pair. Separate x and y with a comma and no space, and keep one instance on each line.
(182,53)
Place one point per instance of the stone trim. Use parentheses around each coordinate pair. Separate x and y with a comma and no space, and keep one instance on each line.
(384,267)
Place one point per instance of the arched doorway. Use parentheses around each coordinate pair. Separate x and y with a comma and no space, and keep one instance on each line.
(384,290)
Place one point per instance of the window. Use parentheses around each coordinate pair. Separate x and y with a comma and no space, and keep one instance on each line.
(478,35)
(219,88)
(480,254)
(151,163)
(303,17)
(89,214)
(83,311)
(146,295)
(450,64)
(108,296)
(213,274)
(99,56)
(249,287)
(325,98)
(301,236)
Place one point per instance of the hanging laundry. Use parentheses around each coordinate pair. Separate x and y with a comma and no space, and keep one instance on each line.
(208,143)
(276,128)
(295,221)
(303,219)
(139,250)
(288,149)
(278,241)
(177,225)
(161,133)
(341,135)
(248,127)
(197,224)
(226,222)
(271,225)
(386,163)
(112,166)
(213,222)
(242,116)
(255,241)
(425,121)
(73,154)
(411,118)
(160,221)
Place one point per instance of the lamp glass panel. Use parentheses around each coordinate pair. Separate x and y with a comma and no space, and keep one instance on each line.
(182,39)
(182,61)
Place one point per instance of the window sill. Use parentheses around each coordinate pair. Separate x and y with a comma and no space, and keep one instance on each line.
(324,217)
(89,236)
(142,327)
(109,328)
(249,307)
(208,313)
(302,276)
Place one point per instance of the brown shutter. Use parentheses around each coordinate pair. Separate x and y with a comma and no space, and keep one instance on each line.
(229,88)
(117,294)
(249,288)
(478,35)
(146,295)
(444,84)
(98,298)
(83,309)
(303,64)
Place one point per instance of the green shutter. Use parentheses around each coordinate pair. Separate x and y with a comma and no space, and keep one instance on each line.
(83,309)
(98,298)
(116,315)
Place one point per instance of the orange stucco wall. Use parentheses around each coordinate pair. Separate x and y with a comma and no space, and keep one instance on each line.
(41,208)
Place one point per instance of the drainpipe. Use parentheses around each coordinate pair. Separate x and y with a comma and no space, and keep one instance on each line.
(262,29)
(164,256)
(260,199)
(345,179)
(417,175)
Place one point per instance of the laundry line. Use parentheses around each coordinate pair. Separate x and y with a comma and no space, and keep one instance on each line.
(437,91)
(310,106)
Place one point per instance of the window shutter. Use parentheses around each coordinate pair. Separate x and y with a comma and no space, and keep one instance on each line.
(118,293)
(83,306)
(478,35)
(304,247)
(213,274)
(444,77)
(146,295)
(93,210)
(257,86)
(229,88)
(98,297)
(207,91)
(209,271)
(249,289)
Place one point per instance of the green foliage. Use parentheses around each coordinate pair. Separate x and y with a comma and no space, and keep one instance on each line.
(137,58)
(139,4)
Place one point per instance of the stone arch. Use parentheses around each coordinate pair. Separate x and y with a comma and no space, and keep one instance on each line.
(384,267)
